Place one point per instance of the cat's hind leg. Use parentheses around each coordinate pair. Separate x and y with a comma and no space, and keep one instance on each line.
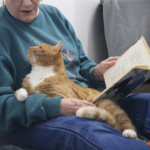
(123,122)
(21,94)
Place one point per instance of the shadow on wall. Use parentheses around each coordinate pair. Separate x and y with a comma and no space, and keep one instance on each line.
(96,38)
(0,3)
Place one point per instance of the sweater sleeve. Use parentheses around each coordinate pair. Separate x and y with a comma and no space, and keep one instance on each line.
(14,113)
(86,65)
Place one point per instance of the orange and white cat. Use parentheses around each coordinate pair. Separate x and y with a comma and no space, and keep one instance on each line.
(48,76)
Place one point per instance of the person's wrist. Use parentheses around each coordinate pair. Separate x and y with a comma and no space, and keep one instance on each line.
(97,75)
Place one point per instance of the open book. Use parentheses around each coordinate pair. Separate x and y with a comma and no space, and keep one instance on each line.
(130,71)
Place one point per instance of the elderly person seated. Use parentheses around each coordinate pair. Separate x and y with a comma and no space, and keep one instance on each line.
(49,123)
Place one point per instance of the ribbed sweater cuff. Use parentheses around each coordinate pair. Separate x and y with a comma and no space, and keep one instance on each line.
(52,106)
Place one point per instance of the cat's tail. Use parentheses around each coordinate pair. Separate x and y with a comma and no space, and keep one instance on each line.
(96,113)
(123,122)
(103,115)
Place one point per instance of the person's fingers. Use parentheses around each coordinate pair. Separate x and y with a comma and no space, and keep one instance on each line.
(112,58)
(108,64)
(78,102)
(87,103)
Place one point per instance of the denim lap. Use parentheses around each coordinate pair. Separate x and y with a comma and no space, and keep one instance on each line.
(73,133)
(137,107)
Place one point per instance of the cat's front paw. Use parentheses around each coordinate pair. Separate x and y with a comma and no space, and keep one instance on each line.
(128,133)
(22,94)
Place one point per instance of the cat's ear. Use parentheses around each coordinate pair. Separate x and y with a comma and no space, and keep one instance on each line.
(58,48)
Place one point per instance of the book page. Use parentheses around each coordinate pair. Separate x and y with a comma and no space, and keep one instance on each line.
(138,54)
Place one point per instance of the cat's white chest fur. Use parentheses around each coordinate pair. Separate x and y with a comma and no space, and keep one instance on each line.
(39,73)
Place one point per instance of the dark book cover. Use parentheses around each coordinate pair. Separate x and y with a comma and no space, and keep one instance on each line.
(125,85)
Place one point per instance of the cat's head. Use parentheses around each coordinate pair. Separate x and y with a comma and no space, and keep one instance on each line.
(44,54)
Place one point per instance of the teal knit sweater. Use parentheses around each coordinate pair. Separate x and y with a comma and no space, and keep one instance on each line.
(50,27)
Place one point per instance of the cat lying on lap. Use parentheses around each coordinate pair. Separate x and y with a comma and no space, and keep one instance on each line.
(48,76)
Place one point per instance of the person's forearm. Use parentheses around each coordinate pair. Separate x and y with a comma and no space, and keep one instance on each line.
(98,76)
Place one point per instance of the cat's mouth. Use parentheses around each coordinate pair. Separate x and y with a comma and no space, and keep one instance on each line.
(30,53)
(31,57)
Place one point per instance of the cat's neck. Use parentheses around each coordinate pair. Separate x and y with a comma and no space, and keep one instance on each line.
(59,66)
(47,70)
(43,71)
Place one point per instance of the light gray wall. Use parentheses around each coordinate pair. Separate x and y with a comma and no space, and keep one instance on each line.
(97,49)
(0,3)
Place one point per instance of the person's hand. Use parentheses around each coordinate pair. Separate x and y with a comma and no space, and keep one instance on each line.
(68,107)
(102,67)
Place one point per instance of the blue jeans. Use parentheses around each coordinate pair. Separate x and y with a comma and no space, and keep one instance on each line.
(73,133)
